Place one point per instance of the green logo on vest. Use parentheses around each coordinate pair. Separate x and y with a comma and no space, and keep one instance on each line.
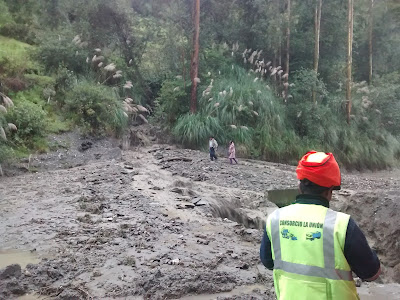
(313,235)
(287,235)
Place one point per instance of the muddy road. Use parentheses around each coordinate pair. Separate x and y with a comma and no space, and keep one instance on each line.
(159,222)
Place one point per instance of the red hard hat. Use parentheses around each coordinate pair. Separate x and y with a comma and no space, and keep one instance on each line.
(320,168)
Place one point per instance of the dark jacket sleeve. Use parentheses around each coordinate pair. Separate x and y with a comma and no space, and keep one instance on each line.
(265,252)
(362,260)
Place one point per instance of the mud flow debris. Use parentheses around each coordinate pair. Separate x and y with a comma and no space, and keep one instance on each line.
(142,224)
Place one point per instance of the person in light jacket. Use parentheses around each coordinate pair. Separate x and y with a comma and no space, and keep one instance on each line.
(232,152)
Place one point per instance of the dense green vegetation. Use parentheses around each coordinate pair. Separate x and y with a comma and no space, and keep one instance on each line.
(101,65)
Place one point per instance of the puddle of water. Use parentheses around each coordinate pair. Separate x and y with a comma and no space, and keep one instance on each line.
(282,197)
(31,297)
(22,258)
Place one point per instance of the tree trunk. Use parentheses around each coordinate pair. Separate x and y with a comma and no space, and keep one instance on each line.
(183,67)
(194,68)
(349,58)
(371,22)
(276,86)
(317,30)
(287,52)
(280,51)
(278,79)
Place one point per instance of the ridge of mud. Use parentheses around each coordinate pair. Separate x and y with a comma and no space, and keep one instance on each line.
(378,214)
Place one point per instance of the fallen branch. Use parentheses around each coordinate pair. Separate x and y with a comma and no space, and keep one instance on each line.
(56,291)
(158,149)
(176,159)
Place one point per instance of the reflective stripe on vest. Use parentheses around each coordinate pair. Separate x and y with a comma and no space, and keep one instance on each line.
(329,270)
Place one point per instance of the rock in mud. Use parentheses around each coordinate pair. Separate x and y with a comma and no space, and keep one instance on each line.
(358,282)
(69,294)
(15,287)
(128,261)
(177,190)
(11,271)
(201,203)
(396,273)
(185,205)
(85,146)
(175,261)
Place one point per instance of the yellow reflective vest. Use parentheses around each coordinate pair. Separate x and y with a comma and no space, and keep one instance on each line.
(307,244)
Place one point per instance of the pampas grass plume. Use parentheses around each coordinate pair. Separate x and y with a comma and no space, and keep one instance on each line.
(110,67)
(3,133)
(143,118)
(142,108)
(12,127)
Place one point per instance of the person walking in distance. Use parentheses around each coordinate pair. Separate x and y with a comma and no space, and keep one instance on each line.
(232,152)
(313,249)
(213,145)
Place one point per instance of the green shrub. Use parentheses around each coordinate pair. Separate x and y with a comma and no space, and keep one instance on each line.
(172,102)
(15,56)
(57,123)
(365,143)
(241,108)
(96,108)
(33,95)
(194,130)
(30,120)
(384,96)
(215,61)
(22,32)
(65,80)
(6,152)
(303,83)
(5,16)
(40,80)
(56,50)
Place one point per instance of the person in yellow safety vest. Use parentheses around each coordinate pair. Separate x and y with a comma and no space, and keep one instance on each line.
(312,249)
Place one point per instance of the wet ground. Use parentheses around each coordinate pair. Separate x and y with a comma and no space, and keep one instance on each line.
(158,222)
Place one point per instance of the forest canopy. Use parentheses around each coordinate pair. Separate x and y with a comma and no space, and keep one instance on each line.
(280,77)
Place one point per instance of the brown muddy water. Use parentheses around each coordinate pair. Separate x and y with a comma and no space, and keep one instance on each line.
(9,257)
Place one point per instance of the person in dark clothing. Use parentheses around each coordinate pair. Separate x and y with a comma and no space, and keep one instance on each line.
(313,245)
(213,145)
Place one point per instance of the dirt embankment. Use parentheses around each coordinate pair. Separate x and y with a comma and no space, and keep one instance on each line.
(159,223)
(378,215)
